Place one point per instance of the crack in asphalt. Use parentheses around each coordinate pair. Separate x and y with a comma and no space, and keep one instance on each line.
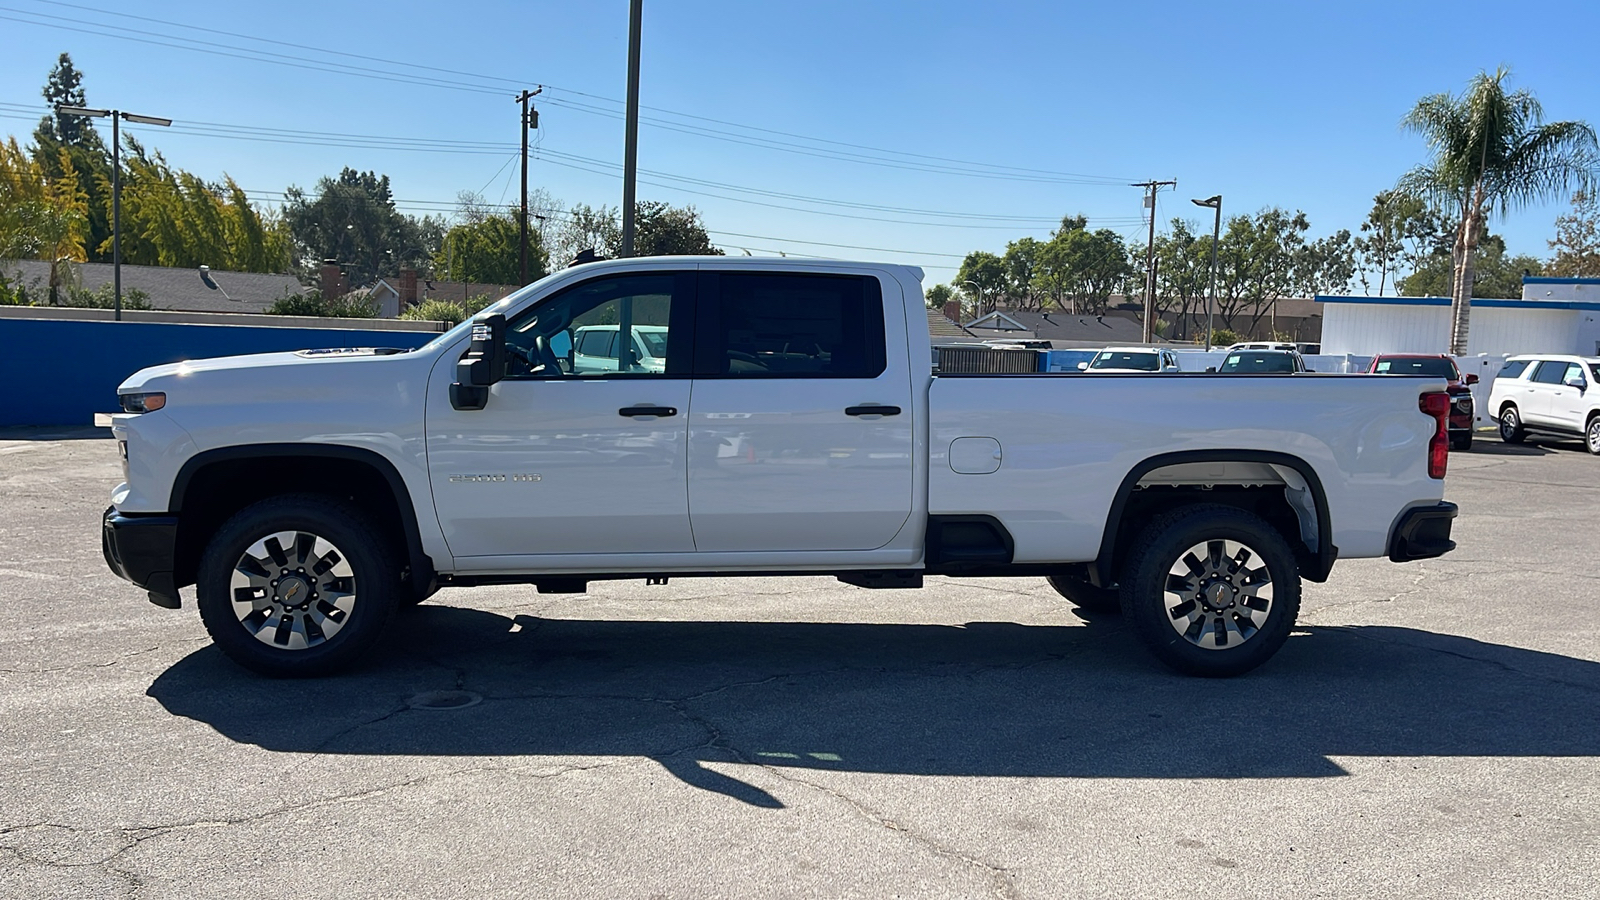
(1001,879)
(1351,630)
(100,665)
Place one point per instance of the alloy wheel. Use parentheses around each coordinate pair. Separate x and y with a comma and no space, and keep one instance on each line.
(293,590)
(1221,600)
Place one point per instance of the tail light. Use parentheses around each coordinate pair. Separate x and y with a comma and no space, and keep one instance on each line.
(1437,405)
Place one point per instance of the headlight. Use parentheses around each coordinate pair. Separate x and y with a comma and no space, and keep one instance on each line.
(143,403)
(1464,404)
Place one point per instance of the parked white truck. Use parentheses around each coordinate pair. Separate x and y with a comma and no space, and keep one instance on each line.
(792,425)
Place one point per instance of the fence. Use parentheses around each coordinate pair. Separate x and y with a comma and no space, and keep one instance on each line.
(57,371)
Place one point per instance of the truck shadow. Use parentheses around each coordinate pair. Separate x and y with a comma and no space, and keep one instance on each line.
(984,699)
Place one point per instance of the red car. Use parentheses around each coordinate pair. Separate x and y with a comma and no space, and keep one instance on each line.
(1440,366)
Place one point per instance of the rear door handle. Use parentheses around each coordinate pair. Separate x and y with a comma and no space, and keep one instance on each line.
(663,411)
(872,409)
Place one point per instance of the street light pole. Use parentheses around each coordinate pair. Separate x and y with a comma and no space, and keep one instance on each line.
(1216,232)
(117,116)
(630,148)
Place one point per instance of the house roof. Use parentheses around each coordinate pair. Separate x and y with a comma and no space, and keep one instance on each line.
(939,326)
(1057,326)
(168,287)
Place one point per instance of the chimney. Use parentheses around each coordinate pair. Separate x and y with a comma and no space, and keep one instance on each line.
(332,283)
(952,310)
(408,287)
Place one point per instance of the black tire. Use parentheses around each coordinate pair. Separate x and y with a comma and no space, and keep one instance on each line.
(1591,435)
(371,591)
(1462,441)
(1511,430)
(1257,632)
(1084,595)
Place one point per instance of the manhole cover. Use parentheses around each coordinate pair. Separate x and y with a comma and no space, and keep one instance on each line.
(444,700)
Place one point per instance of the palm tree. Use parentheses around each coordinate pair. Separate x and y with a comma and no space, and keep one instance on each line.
(1492,152)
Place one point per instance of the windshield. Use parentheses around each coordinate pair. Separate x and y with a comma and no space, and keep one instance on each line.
(1116,359)
(1595,369)
(1437,366)
(1258,362)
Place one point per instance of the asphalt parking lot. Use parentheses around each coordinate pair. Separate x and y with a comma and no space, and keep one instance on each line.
(1432,729)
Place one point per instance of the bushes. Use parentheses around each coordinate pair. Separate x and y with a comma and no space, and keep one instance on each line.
(311,303)
(436,311)
(1223,337)
(106,298)
(14,292)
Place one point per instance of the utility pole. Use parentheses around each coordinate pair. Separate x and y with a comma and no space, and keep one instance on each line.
(1150,257)
(528,124)
(630,149)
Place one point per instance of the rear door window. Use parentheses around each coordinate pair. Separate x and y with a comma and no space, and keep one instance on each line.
(760,325)
(1550,372)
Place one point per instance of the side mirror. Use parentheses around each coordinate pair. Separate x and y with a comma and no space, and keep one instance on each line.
(1577,382)
(1211,370)
(1470,379)
(1083,367)
(483,364)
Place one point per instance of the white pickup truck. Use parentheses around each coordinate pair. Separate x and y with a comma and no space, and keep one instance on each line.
(794,427)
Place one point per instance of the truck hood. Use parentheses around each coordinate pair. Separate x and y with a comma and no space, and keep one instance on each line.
(179,374)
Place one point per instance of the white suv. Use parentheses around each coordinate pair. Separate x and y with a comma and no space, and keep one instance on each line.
(1553,395)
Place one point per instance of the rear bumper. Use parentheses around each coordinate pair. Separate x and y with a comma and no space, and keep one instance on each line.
(1423,532)
(141,549)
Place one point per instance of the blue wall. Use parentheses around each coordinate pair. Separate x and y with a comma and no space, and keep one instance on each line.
(56,372)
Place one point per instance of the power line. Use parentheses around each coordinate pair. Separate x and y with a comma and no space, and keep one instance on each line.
(247,133)
(945,165)
(367,61)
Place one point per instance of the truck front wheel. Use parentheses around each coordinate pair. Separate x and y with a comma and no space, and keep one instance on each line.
(297,585)
(1212,590)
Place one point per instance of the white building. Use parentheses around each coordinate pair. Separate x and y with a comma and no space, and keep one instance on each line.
(1555,315)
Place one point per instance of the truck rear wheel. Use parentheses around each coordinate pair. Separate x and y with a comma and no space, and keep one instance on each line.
(1211,590)
(1084,595)
(297,585)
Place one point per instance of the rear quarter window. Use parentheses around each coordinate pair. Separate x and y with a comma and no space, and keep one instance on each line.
(1513,368)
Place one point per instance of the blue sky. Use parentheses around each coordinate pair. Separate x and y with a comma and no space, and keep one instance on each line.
(1287,104)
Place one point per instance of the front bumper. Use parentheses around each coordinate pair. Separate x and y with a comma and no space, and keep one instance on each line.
(1423,532)
(141,549)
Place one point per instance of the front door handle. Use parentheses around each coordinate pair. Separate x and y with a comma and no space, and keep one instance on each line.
(872,409)
(663,411)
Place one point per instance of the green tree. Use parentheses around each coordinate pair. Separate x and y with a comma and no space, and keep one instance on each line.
(983,279)
(1398,234)
(1183,264)
(1491,152)
(353,219)
(1081,269)
(661,229)
(938,295)
(1021,263)
(174,218)
(1577,241)
(1257,266)
(488,251)
(41,217)
(1495,274)
(65,144)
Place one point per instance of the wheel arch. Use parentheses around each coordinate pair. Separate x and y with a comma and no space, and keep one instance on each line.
(215,484)
(1120,528)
